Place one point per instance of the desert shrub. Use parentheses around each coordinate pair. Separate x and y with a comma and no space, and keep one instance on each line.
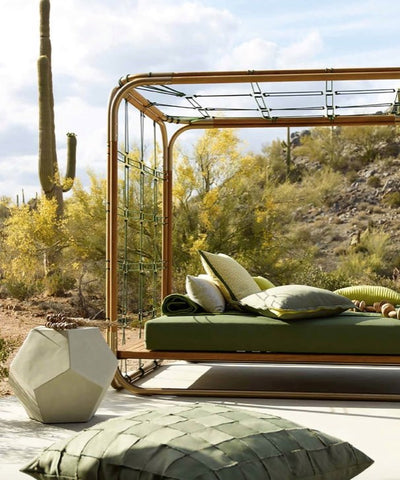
(6,348)
(392,199)
(368,258)
(374,181)
(22,289)
(58,283)
(40,252)
(32,245)
(317,277)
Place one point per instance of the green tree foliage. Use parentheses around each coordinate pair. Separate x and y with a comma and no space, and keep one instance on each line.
(32,239)
(348,148)
(254,207)
(244,213)
(324,145)
(200,197)
(85,224)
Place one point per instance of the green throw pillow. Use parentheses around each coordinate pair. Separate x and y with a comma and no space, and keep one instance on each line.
(232,278)
(199,441)
(296,301)
(370,294)
(263,283)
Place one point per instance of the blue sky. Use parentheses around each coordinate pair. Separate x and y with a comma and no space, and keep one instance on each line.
(95,42)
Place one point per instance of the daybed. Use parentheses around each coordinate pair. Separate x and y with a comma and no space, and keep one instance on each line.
(284,324)
(180,101)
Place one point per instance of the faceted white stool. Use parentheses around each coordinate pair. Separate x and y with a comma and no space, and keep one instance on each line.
(61,376)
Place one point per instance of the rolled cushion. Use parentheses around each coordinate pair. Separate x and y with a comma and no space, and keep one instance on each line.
(232,278)
(179,304)
(203,291)
(203,441)
(370,294)
(296,301)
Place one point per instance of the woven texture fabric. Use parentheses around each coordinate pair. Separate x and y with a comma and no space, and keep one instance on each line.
(199,442)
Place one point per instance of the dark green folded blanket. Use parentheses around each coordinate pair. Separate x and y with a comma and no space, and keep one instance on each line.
(179,304)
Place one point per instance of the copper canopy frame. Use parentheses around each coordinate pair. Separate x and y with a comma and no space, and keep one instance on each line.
(255,109)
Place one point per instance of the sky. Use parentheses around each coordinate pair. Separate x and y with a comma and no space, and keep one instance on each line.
(96,42)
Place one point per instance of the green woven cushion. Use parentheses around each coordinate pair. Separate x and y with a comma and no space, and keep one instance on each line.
(370,294)
(296,301)
(199,442)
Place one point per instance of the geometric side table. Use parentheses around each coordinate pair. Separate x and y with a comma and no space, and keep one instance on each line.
(61,376)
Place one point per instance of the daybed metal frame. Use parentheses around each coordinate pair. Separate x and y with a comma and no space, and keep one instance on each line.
(132,89)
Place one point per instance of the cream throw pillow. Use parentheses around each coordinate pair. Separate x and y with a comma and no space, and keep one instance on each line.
(203,291)
(234,280)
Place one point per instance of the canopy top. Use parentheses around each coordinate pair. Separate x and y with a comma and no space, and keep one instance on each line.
(268,97)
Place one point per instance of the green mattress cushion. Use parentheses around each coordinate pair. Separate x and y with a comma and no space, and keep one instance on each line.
(203,441)
(348,333)
(296,301)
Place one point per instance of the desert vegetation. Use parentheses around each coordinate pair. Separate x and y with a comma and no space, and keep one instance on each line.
(326,215)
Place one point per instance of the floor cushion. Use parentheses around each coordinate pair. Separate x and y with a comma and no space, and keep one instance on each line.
(199,441)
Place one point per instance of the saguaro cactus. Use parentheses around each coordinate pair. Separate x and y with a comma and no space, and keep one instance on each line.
(49,174)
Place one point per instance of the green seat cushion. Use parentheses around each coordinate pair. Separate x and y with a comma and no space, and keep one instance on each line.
(349,332)
(203,441)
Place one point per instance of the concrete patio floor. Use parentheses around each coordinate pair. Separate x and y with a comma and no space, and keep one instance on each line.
(373,427)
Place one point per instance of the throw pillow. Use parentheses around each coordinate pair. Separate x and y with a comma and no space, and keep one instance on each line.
(263,283)
(296,301)
(203,291)
(232,278)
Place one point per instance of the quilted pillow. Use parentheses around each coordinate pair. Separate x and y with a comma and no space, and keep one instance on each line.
(232,278)
(202,441)
(370,294)
(203,291)
(296,301)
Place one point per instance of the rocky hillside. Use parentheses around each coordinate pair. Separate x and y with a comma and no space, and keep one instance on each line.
(369,199)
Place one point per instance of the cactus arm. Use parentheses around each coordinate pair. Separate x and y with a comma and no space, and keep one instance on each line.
(71,162)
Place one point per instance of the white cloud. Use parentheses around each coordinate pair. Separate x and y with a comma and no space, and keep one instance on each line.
(302,52)
(254,54)
(95,42)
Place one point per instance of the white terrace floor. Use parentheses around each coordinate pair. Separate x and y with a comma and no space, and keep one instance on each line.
(373,427)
